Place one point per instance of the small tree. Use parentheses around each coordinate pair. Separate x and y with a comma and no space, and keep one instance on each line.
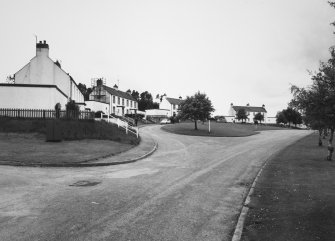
(259,117)
(196,107)
(57,109)
(281,118)
(72,110)
(241,115)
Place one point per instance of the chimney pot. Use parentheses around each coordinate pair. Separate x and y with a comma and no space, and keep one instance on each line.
(40,42)
(44,42)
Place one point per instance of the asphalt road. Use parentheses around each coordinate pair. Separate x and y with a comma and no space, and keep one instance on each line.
(191,188)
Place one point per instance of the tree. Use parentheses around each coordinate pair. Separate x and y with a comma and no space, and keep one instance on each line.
(85,91)
(317,101)
(146,102)
(72,110)
(259,117)
(281,118)
(196,107)
(241,115)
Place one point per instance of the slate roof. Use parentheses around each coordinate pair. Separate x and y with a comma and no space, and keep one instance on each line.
(119,93)
(250,108)
(174,101)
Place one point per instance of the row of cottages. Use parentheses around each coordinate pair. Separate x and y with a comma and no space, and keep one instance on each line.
(40,84)
(251,112)
(111,100)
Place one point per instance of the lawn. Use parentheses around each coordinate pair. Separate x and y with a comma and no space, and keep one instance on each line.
(217,129)
(32,149)
(294,198)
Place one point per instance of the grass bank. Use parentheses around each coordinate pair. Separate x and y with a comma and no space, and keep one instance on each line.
(294,198)
(70,129)
(217,129)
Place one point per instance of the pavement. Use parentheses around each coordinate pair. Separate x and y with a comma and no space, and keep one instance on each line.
(190,188)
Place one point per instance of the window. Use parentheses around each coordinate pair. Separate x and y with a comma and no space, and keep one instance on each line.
(131,104)
(113,99)
(118,100)
(122,101)
(127,103)
(174,107)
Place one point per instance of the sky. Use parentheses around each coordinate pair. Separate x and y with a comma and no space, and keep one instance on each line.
(235,51)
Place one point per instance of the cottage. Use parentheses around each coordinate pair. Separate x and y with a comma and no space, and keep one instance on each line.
(250,110)
(170,104)
(111,100)
(40,84)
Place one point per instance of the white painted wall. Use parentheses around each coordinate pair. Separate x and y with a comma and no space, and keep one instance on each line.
(97,106)
(42,70)
(157,112)
(31,98)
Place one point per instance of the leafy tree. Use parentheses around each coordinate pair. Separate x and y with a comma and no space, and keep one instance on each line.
(281,118)
(135,95)
(259,117)
(241,115)
(85,91)
(196,107)
(146,102)
(72,110)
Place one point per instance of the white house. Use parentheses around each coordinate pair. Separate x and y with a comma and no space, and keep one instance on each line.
(40,84)
(170,104)
(251,111)
(111,100)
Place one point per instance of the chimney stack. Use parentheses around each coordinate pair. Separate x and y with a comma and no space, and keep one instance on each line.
(42,49)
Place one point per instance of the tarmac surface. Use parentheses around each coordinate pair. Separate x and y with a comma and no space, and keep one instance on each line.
(190,188)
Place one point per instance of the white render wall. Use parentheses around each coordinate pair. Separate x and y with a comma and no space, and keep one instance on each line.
(31,98)
(97,106)
(42,70)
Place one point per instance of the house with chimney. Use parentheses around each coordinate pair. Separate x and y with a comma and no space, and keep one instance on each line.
(171,105)
(40,84)
(111,100)
(250,110)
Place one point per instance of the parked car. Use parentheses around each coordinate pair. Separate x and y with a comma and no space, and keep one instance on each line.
(165,121)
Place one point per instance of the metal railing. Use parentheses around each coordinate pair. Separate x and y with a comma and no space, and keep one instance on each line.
(120,123)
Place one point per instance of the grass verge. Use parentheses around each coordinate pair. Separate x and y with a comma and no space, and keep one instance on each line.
(70,129)
(217,129)
(294,198)
(31,148)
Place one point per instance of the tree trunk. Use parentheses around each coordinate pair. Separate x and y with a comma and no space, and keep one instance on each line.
(320,134)
(330,145)
(195,125)
(325,133)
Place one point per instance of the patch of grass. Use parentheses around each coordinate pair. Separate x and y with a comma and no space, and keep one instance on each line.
(31,148)
(217,129)
(70,129)
(294,198)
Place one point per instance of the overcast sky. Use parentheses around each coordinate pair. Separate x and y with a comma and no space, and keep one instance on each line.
(236,51)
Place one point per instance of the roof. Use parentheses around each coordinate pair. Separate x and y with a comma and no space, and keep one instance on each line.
(119,93)
(250,108)
(174,101)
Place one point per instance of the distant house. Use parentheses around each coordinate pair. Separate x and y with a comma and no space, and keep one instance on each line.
(170,104)
(111,100)
(40,84)
(250,110)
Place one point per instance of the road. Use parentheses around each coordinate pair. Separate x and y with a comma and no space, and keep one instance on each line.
(191,188)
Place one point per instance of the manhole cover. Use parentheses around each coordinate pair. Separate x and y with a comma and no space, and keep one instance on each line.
(85,183)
